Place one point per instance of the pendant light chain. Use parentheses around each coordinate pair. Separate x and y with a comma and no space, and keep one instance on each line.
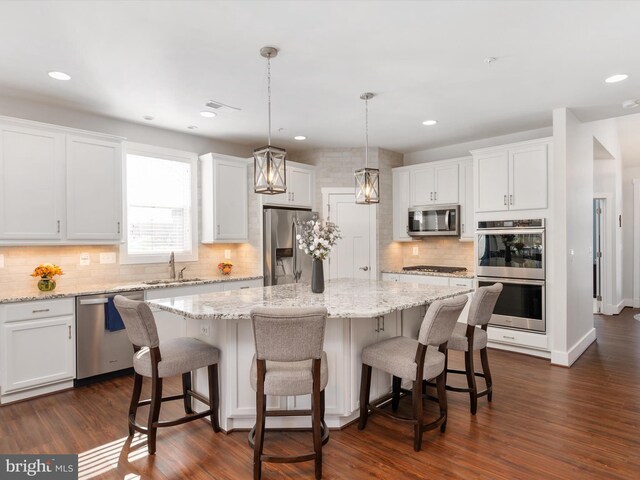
(366,132)
(269,93)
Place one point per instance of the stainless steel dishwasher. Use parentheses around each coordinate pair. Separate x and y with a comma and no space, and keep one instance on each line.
(98,350)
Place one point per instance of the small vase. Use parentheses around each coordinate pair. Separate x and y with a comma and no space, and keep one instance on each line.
(317,276)
(46,284)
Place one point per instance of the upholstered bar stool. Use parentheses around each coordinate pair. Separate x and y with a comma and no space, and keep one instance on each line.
(472,337)
(178,356)
(289,361)
(415,360)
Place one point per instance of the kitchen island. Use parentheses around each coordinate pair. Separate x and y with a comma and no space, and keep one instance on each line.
(361,312)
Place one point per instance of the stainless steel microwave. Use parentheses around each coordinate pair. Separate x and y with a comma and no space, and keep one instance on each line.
(432,220)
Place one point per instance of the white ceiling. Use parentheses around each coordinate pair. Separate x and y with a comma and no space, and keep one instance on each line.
(424,60)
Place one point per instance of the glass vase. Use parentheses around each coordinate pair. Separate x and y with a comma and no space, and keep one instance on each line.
(46,284)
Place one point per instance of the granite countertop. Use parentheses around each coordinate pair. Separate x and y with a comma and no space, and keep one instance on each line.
(343,298)
(32,293)
(465,274)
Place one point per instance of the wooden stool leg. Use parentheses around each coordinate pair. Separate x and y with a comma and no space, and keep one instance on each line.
(315,419)
(322,405)
(395,402)
(471,380)
(135,398)
(441,383)
(417,414)
(261,404)
(487,372)
(154,413)
(214,399)
(186,386)
(365,389)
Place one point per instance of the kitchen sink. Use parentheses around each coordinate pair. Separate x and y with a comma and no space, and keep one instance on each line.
(167,282)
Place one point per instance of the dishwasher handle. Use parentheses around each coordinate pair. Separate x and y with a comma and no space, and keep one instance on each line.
(93,301)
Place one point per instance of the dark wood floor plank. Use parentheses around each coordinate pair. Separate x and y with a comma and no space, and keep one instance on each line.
(546,422)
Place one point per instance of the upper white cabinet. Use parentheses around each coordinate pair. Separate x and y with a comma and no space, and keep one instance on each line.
(224,206)
(300,187)
(467,221)
(435,185)
(58,185)
(401,204)
(512,177)
(31,183)
(94,189)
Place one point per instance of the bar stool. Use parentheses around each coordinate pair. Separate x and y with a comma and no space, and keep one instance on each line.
(178,356)
(289,360)
(416,360)
(471,337)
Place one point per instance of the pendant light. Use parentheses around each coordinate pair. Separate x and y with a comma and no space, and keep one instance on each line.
(367,179)
(269,161)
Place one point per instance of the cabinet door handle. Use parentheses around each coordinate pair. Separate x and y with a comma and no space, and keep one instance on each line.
(383,324)
(463,228)
(377,325)
(510,199)
(435,195)
(69,332)
(42,310)
(508,337)
(505,199)
(58,226)
(431,196)
(118,228)
(293,196)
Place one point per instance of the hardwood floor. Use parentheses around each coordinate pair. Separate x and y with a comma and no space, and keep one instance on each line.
(544,423)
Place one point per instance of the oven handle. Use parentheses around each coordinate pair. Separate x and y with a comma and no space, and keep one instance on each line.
(518,231)
(516,281)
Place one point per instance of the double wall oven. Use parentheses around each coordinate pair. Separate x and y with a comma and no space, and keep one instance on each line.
(512,252)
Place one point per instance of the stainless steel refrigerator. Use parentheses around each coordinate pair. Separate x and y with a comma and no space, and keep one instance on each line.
(283,261)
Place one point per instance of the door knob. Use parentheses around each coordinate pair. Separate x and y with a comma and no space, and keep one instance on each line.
(366,268)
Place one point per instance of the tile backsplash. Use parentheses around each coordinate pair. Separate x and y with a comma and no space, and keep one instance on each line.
(19,263)
(447,252)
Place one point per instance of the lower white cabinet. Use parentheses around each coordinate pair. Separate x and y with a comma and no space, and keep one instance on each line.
(38,347)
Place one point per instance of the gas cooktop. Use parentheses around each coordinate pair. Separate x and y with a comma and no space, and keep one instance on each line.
(434,269)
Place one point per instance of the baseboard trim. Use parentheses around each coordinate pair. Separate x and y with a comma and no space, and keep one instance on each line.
(566,359)
(618,308)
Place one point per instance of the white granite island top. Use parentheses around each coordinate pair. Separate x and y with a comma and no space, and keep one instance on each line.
(343,298)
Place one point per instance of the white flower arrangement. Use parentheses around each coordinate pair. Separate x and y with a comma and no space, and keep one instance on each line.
(317,238)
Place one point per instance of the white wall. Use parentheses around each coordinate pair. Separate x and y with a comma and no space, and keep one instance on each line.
(629,174)
(462,149)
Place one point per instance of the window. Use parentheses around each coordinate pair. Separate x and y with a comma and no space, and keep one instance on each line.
(160,205)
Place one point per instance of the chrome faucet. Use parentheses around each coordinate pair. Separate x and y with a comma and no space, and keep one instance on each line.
(172,265)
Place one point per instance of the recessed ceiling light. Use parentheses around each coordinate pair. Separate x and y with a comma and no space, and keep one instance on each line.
(192,127)
(207,114)
(148,117)
(300,137)
(429,122)
(59,75)
(617,78)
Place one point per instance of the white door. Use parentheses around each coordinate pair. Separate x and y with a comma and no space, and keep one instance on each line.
(231,198)
(354,256)
(94,189)
(492,182)
(38,352)
(401,204)
(300,182)
(528,177)
(31,184)
(422,186)
(446,185)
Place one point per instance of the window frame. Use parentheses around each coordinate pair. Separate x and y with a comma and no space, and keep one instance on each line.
(131,148)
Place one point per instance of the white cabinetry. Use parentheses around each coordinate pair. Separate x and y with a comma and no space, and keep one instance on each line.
(434,185)
(58,185)
(467,221)
(38,348)
(94,189)
(31,183)
(224,207)
(401,204)
(300,188)
(512,177)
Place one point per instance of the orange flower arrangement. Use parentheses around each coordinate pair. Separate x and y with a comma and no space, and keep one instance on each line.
(225,267)
(47,270)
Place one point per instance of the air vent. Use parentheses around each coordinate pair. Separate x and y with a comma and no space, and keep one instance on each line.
(221,107)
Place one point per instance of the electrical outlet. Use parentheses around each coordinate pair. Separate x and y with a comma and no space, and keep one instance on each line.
(415,251)
(227,254)
(1,261)
(204,329)
(108,257)
(85,259)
